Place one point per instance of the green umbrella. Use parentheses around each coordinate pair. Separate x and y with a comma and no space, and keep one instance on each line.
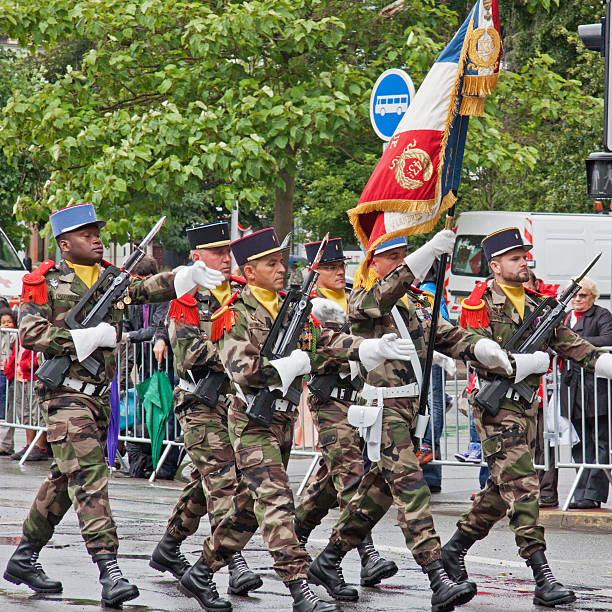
(156,394)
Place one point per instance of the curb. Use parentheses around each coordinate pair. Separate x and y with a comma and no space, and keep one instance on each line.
(598,520)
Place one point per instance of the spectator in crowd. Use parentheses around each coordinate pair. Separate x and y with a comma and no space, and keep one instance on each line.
(8,320)
(429,446)
(474,450)
(537,284)
(142,326)
(20,370)
(594,324)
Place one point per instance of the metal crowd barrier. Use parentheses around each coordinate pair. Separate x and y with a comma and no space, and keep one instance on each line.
(136,362)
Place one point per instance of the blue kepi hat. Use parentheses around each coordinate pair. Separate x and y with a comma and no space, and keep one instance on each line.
(255,245)
(394,243)
(72,218)
(502,241)
(333,251)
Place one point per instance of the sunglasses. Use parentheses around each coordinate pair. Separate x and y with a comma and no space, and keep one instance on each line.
(582,296)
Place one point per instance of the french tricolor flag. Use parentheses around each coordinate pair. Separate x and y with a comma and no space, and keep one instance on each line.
(418,175)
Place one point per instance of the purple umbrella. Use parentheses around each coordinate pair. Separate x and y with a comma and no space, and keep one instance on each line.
(112,438)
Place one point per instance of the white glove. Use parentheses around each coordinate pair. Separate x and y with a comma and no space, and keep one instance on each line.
(187,277)
(422,259)
(491,355)
(530,363)
(445,362)
(327,310)
(86,341)
(374,351)
(603,366)
(289,368)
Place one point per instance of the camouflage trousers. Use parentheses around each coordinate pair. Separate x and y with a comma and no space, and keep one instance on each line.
(341,466)
(395,478)
(76,429)
(263,498)
(508,443)
(213,479)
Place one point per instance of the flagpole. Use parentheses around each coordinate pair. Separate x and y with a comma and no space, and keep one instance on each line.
(433,328)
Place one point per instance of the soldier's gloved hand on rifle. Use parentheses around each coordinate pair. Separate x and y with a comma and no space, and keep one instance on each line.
(603,366)
(445,362)
(327,310)
(199,274)
(374,351)
(421,260)
(290,367)
(490,354)
(87,340)
(530,363)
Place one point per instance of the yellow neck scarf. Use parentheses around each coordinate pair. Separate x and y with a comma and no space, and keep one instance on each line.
(88,274)
(517,296)
(222,293)
(338,296)
(268,299)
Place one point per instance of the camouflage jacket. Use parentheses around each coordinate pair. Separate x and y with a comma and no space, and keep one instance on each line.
(192,348)
(370,316)
(42,327)
(504,320)
(240,348)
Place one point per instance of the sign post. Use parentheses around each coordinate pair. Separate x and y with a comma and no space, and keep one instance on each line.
(390,99)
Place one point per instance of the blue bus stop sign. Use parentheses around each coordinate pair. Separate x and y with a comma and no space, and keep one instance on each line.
(390,98)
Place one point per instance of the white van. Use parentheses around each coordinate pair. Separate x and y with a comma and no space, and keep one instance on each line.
(563,245)
(12,271)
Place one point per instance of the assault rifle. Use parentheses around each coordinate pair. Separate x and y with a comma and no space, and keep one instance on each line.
(548,315)
(283,340)
(97,302)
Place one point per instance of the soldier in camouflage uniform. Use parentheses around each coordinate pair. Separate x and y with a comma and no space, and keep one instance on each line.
(264,497)
(496,310)
(213,479)
(77,413)
(385,301)
(342,464)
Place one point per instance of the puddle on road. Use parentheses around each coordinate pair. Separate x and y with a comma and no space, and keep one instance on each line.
(73,601)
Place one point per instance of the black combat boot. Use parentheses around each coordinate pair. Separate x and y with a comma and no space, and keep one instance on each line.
(453,557)
(23,566)
(373,567)
(326,571)
(304,600)
(198,583)
(548,592)
(302,535)
(242,579)
(115,587)
(167,557)
(446,593)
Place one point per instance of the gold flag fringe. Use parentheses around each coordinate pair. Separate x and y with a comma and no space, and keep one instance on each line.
(479,84)
(472,106)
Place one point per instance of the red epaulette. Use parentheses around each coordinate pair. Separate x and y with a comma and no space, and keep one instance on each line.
(34,285)
(185,310)
(473,309)
(223,319)
(238,279)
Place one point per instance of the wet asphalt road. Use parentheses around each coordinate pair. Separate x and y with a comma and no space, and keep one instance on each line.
(581,560)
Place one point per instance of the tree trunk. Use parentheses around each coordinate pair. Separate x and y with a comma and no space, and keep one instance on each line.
(283,206)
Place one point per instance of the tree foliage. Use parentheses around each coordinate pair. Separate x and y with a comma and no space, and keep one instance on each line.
(186,107)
